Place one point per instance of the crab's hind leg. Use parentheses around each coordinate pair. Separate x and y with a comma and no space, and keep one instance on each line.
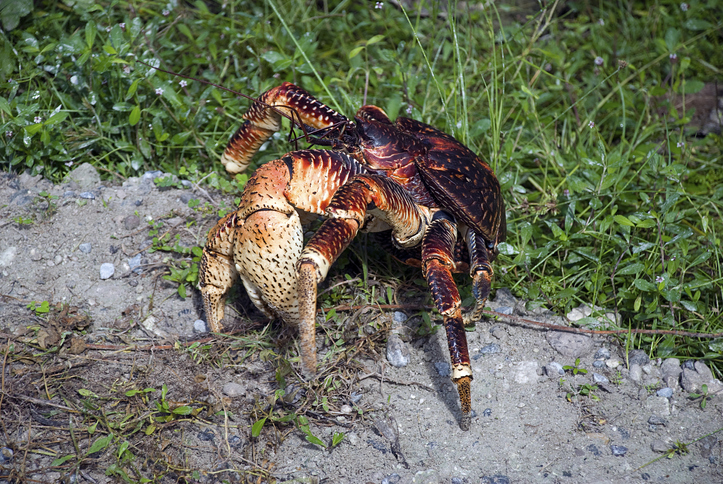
(262,120)
(437,265)
(480,269)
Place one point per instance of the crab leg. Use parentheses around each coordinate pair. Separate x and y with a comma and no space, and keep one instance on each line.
(261,121)
(262,240)
(437,265)
(347,213)
(480,269)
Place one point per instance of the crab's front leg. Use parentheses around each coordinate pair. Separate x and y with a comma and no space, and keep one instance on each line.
(263,119)
(347,213)
(437,265)
(261,241)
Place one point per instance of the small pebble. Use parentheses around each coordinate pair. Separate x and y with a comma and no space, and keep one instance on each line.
(87,195)
(602,354)
(392,479)
(6,455)
(638,357)
(397,352)
(131,222)
(598,364)
(487,350)
(665,392)
(107,270)
(487,412)
(399,317)
(618,450)
(200,326)
(355,397)
(505,310)
(134,263)
(593,448)
(598,378)
(206,436)
(612,363)
(233,389)
(635,373)
(346,409)
(659,446)
(655,420)
(85,248)
(554,369)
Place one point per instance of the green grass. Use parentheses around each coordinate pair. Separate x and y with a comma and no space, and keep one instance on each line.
(611,200)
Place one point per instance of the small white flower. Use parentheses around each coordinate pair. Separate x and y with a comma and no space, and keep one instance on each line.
(591,124)
(37,119)
(182,83)
(659,279)
(68,163)
(107,29)
(680,144)
(599,61)
(166,13)
(127,69)
(601,22)
(9,134)
(379,5)
(159,91)
(409,109)
(122,25)
(566,192)
(673,56)
(684,7)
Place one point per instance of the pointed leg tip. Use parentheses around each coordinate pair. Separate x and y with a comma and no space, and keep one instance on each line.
(465,422)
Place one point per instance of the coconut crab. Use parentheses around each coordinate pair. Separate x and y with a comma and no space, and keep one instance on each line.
(441,202)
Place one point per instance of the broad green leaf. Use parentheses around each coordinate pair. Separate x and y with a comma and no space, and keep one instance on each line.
(315,440)
(56,118)
(355,51)
(100,444)
(5,106)
(132,89)
(630,269)
(185,409)
(257,426)
(375,39)
(337,438)
(693,86)
(623,220)
(135,116)
(644,285)
(62,460)
(90,31)
(697,24)
(672,38)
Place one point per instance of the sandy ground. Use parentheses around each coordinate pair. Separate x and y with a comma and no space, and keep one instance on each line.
(132,331)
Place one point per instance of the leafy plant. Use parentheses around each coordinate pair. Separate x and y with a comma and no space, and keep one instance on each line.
(575,369)
(703,395)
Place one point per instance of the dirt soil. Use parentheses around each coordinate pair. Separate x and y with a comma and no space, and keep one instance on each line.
(82,376)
